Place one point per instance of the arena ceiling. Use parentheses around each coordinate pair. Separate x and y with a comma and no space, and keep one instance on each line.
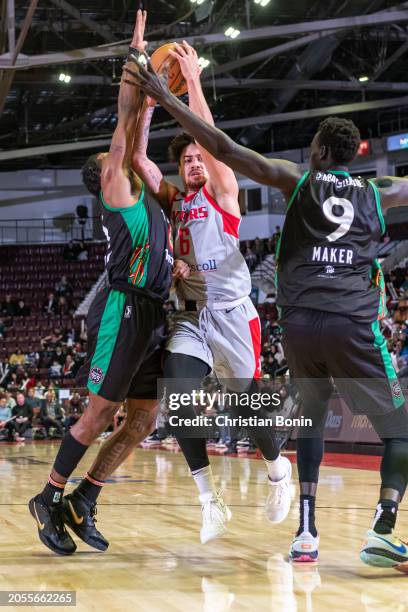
(269,87)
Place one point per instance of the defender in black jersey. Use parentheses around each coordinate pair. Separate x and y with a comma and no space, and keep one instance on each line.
(331,296)
(125,331)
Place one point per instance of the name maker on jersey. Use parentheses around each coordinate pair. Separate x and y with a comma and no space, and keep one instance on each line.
(333,255)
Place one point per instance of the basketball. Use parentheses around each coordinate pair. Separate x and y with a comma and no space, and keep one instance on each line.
(161,61)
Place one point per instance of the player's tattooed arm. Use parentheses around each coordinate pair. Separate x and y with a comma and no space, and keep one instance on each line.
(393,191)
(282,174)
(149,172)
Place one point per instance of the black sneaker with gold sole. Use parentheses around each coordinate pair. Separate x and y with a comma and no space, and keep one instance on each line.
(79,514)
(51,528)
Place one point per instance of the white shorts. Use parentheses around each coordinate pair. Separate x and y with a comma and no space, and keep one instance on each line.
(229,340)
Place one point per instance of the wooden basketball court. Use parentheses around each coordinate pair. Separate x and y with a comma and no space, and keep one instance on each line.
(155,562)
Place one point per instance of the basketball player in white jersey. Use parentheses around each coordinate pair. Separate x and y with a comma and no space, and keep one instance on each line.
(218,328)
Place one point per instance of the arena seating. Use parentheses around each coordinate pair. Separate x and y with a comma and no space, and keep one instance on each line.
(30,273)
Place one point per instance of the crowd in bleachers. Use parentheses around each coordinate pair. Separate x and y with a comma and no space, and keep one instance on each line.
(254,251)
(42,348)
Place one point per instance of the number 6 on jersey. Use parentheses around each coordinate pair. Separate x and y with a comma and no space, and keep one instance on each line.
(184,236)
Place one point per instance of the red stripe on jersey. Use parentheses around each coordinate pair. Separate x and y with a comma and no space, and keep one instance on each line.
(255,329)
(230,222)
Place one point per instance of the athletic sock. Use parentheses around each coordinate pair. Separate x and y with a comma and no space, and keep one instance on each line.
(276,468)
(90,488)
(204,481)
(307,515)
(385,516)
(52,492)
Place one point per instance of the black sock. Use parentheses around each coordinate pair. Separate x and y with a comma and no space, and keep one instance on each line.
(386,516)
(90,488)
(52,493)
(307,515)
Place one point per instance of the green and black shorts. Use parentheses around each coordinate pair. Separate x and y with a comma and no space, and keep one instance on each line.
(126,333)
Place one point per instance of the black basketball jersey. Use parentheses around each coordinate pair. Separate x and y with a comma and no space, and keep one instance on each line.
(140,253)
(329,245)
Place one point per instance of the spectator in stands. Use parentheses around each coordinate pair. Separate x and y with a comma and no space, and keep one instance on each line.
(2,329)
(55,369)
(250,259)
(51,414)
(68,369)
(82,253)
(33,401)
(8,307)
(404,285)
(17,358)
(258,249)
(75,407)
(32,357)
(21,309)
(59,356)
(271,365)
(4,370)
(62,306)
(5,416)
(270,247)
(23,414)
(11,402)
(53,340)
(63,287)
(50,305)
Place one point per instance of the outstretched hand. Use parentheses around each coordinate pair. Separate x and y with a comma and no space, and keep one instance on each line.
(138,41)
(147,79)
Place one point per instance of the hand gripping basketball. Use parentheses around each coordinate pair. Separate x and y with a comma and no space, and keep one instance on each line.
(154,85)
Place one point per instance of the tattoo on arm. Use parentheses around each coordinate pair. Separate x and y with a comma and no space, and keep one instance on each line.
(115,148)
(155,179)
(384,183)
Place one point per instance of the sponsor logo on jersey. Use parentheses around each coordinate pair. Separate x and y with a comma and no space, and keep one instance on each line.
(333,255)
(329,270)
(128,312)
(96,375)
(189,214)
(206,266)
(340,182)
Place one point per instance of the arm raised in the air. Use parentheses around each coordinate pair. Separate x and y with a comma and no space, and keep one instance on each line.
(282,174)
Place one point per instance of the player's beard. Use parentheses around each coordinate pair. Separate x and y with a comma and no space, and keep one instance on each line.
(196,182)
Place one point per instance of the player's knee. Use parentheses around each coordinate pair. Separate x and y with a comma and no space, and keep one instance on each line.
(99,414)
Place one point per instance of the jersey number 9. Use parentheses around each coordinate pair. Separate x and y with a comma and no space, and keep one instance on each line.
(344,220)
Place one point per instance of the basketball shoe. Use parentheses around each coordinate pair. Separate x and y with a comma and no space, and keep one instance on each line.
(384,550)
(215,515)
(79,514)
(279,499)
(305,548)
(51,528)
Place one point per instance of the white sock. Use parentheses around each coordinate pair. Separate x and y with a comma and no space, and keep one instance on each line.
(276,468)
(204,481)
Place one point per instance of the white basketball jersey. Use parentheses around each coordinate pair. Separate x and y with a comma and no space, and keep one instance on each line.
(206,238)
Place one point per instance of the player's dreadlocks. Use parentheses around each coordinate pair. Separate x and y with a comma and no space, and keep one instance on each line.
(342,137)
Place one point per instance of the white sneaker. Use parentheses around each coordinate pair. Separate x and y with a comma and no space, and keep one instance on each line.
(215,515)
(279,499)
(305,548)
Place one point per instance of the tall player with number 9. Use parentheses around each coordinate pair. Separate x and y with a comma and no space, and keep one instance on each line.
(331,293)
